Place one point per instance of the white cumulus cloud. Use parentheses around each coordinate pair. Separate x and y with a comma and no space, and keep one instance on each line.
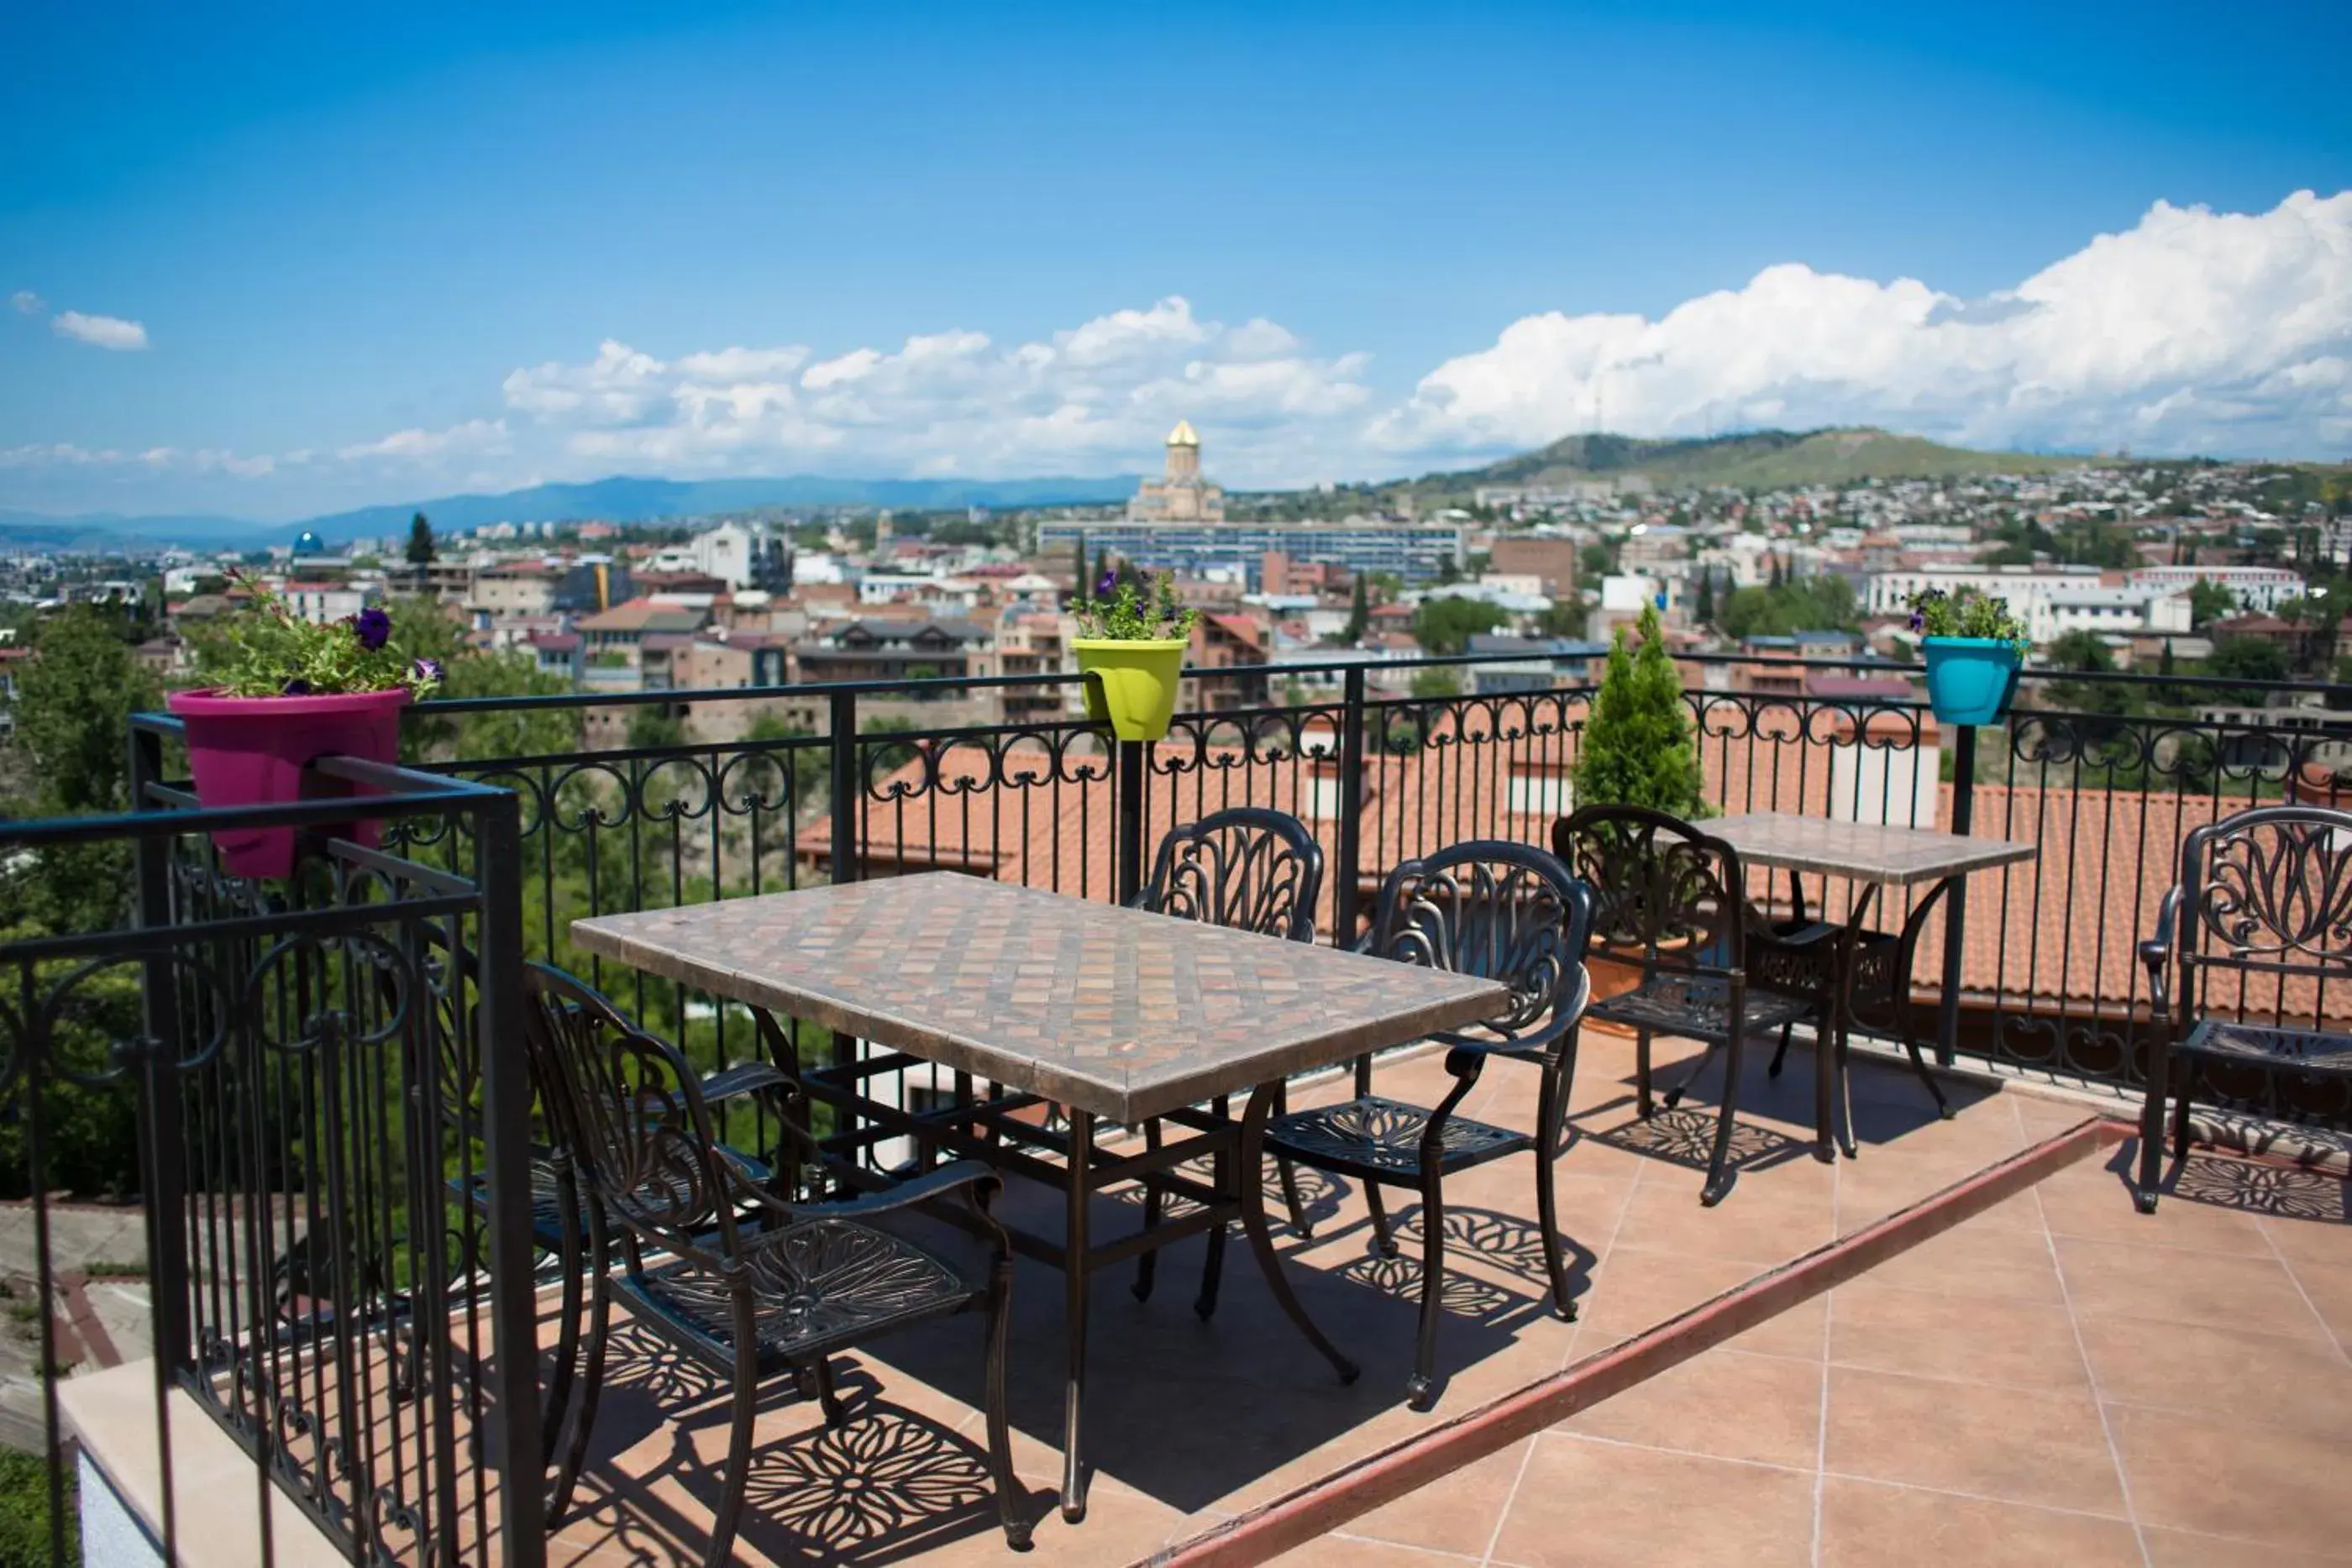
(99,331)
(25,302)
(2192,331)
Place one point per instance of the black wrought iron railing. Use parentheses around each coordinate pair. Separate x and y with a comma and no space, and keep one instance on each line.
(273,1065)
(2103,773)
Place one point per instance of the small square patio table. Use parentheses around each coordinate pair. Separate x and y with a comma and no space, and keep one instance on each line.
(1113,1014)
(1876,855)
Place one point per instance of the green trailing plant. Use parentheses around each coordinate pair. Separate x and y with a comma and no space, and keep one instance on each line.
(1135,610)
(1637,748)
(1968,614)
(268,651)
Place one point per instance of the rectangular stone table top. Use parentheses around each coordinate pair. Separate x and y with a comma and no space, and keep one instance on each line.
(1126,1013)
(1866,851)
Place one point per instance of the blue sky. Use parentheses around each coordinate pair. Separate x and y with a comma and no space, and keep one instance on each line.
(378,254)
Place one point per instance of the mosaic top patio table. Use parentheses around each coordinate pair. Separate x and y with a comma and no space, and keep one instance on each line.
(1112,1014)
(1875,966)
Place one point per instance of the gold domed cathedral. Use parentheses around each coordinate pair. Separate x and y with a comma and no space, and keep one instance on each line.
(1181,494)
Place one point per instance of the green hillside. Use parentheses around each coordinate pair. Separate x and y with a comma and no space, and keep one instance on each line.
(1761,459)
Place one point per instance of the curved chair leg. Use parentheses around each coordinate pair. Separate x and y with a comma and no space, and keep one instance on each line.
(1642,1073)
(1825,1056)
(1009,1495)
(1549,1101)
(1719,1176)
(1845,1096)
(592,1381)
(1147,1266)
(1926,1076)
(737,1474)
(2181,1125)
(2151,1131)
(567,1347)
(1383,1237)
(1421,1391)
(1212,1267)
(1781,1057)
(826,1394)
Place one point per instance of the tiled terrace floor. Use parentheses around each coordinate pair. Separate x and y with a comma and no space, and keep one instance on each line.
(2058,1380)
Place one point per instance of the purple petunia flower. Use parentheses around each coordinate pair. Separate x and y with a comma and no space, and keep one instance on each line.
(298,687)
(373,627)
(1918,621)
(1107,585)
(426,670)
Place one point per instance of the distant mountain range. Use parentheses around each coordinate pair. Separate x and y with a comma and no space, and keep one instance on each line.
(1762,459)
(618,500)
(1759,459)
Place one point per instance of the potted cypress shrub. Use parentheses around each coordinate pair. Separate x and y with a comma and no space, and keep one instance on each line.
(1130,648)
(1637,750)
(1974,647)
(281,691)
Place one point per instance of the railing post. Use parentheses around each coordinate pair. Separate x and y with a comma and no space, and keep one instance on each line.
(506,1126)
(159,1083)
(1956,907)
(1127,760)
(842,756)
(1348,852)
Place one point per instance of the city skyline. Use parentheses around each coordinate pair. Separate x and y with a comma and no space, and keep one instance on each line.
(409,258)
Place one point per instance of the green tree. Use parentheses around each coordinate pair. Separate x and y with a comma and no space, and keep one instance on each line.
(2209,602)
(1359,612)
(74,702)
(653,724)
(2087,651)
(1081,586)
(421,549)
(1445,625)
(1705,609)
(1564,619)
(1437,681)
(2248,659)
(1822,604)
(1637,748)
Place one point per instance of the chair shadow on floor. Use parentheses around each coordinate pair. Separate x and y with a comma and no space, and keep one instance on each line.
(2266,1187)
(885,1486)
(1685,1136)
(1502,1242)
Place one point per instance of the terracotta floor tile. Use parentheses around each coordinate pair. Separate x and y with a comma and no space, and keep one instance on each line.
(1918,1332)
(2170,1284)
(1987,1257)
(2234,1480)
(1745,1228)
(1634,1290)
(1355,1551)
(1590,1504)
(1867,1525)
(1723,1404)
(2094,1202)
(2328,1286)
(2009,1444)
(2179,1548)
(2300,1383)
(1457,1513)
(2303,1240)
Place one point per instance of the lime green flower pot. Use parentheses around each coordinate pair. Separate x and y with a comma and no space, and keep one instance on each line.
(1131,685)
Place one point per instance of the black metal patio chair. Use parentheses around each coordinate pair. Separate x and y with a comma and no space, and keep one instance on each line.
(1505,912)
(450,971)
(2250,974)
(1671,899)
(717,1265)
(1247,868)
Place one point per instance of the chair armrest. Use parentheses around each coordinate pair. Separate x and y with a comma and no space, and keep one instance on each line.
(958,1174)
(744,1078)
(2156,954)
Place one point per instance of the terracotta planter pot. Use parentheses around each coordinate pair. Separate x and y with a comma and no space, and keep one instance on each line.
(1615,972)
(251,751)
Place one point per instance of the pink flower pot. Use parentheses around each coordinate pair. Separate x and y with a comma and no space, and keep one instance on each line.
(251,751)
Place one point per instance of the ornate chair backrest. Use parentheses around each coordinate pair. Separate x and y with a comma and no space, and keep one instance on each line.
(1661,888)
(1248,868)
(1502,912)
(629,1111)
(2265,917)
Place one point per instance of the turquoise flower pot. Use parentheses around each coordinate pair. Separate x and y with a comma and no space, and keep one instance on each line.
(1970,679)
